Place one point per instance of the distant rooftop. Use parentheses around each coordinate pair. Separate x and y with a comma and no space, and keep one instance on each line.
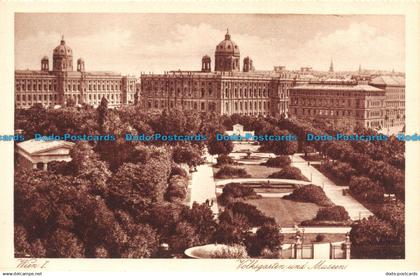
(388,80)
(335,87)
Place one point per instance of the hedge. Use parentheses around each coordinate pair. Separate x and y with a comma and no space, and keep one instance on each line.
(231,172)
(310,193)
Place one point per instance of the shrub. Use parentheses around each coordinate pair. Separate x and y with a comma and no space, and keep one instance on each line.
(254,216)
(61,167)
(187,154)
(266,242)
(373,231)
(230,252)
(231,172)
(236,190)
(394,214)
(310,193)
(177,170)
(278,162)
(367,190)
(341,170)
(177,189)
(335,213)
(224,159)
(320,238)
(289,173)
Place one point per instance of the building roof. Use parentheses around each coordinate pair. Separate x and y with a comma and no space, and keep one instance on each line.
(227,46)
(38,146)
(62,49)
(33,72)
(336,87)
(69,73)
(388,80)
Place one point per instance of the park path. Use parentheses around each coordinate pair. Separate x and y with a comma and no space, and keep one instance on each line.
(355,209)
(203,187)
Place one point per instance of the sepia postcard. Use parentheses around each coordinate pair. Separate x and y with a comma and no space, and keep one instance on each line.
(242,136)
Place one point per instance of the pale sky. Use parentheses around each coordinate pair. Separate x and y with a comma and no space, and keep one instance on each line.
(134,43)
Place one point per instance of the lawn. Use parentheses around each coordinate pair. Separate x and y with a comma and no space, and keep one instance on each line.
(256,171)
(287,213)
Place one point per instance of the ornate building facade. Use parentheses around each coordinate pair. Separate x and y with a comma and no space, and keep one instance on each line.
(226,90)
(347,103)
(63,85)
(394,88)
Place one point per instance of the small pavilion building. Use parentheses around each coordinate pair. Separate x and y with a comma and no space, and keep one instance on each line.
(37,154)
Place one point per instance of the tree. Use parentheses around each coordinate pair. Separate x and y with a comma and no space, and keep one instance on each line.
(201,217)
(268,237)
(60,167)
(64,244)
(374,238)
(219,147)
(232,228)
(117,151)
(394,214)
(187,153)
(279,147)
(177,189)
(102,111)
(70,102)
(142,242)
(164,216)
(87,165)
(365,189)
(23,248)
(137,185)
(185,236)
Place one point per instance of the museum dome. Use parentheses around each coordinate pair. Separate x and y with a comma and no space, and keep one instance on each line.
(227,46)
(62,49)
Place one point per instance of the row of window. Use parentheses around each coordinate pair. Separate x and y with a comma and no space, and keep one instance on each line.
(211,106)
(326,112)
(251,113)
(246,93)
(395,104)
(161,93)
(50,97)
(374,124)
(164,83)
(322,94)
(249,106)
(33,85)
(375,113)
(325,102)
